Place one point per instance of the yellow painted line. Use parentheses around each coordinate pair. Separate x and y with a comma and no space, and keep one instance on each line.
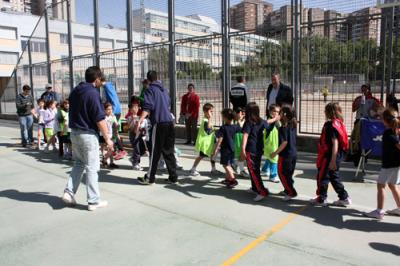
(263,237)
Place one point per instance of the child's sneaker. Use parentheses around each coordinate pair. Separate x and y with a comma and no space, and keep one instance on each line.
(394,212)
(214,172)
(251,191)
(194,173)
(244,174)
(288,198)
(375,214)
(178,166)
(342,203)
(259,198)
(95,206)
(232,183)
(68,199)
(113,166)
(274,180)
(264,173)
(137,167)
(318,202)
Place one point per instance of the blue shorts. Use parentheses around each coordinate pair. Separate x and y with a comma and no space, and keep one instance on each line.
(227,158)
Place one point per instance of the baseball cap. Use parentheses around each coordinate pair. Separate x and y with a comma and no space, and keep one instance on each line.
(48,85)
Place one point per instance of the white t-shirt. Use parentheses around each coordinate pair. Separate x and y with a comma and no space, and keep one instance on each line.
(272,96)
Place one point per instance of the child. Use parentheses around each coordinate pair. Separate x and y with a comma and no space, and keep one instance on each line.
(225,136)
(205,140)
(136,138)
(112,126)
(49,116)
(287,151)
(240,119)
(253,146)
(65,130)
(271,143)
(333,143)
(39,113)
(390,172)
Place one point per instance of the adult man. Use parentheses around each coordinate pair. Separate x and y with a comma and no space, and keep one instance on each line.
(86,118)
(24,104)
(50,94)
(278,93)
(190,110)
(239,94)
(157,105)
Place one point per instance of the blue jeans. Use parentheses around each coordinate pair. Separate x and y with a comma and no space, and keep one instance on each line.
(85,146)
(26,126)
(271,168)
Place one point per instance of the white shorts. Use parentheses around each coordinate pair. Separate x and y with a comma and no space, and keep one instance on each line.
(389,176)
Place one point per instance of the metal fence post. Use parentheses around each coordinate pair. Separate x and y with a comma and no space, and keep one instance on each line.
(226,49)
(383,53)
(296,58)
(70,59)
(389,51)
(30,67)
(96,31)
(46,20)
(130,51)
(171,55)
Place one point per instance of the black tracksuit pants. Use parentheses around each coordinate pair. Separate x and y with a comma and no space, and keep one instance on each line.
(163,142)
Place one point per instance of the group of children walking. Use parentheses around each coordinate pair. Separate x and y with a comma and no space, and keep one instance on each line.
(246,137)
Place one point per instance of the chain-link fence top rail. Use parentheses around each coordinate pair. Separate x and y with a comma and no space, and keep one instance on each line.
(339,49)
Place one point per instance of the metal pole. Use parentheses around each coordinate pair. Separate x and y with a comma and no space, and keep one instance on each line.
(383,52)
(70,59)
(390,51)
(46,16)
(172,59)
(130,51)
(395,50)
(96,32)
(296,58)
(30,67)
(226,70)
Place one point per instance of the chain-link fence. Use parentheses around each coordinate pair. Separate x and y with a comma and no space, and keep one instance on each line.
(324,50)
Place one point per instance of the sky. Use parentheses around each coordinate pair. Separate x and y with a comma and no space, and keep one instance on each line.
(113,11)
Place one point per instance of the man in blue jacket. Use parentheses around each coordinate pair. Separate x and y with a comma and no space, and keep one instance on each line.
(86,119)
(157,104)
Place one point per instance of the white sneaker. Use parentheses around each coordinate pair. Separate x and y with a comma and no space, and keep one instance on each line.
(288,198)
(137,167)
(68,199)
(259,198)
(342,203)
(375,214)
(394,212)
(100,204)
(264,173)
(316,202)
(194,173)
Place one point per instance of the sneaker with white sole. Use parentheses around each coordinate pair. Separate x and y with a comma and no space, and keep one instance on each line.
(95,206)
(137,167)
(274,180)
(288,198)
(259,198)
(264,173)
(375,214)
(317,202)
(342,203)
(68,199)
(194,173)
(394,212)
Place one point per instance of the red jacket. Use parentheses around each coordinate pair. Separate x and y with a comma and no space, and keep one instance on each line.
(190,105)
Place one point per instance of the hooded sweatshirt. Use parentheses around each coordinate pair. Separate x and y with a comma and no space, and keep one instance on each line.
(157,103)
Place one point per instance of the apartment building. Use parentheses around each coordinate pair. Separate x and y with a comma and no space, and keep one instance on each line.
(316,18)
(249,15)
(362,27)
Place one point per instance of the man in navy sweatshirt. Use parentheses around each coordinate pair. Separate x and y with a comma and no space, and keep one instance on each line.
(157,104)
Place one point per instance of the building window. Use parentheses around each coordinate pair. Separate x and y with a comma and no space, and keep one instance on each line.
(8,58)
(8,33)
(64,38)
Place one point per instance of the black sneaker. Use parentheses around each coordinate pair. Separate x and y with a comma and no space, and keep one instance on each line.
(144,181)
(232,184)
(172,180)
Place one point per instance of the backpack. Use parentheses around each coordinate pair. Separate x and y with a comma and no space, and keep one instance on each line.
(49,96)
